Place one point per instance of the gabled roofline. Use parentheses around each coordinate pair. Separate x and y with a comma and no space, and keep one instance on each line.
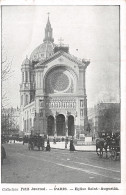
(58,54)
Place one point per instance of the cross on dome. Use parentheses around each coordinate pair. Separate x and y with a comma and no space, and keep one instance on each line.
(48,13)
(60,40)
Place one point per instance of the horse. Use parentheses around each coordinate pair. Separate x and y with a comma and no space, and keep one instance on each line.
(48,148)
(36,141)
(101,144)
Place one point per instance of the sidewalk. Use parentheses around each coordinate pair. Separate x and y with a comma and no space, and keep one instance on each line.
(61,145)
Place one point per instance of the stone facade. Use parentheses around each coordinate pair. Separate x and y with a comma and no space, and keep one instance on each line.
(10,121)
(53,91)
(104,118)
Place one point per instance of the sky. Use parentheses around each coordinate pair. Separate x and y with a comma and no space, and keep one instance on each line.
(92,32)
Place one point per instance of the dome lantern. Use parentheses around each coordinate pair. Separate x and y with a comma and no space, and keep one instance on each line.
(48,32)
(46,49)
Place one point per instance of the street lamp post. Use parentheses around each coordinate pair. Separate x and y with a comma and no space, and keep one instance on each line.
(86,63)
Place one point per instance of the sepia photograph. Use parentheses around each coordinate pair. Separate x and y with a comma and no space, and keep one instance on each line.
(60,95)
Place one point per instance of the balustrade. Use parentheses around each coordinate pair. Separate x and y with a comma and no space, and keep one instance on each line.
(62,104)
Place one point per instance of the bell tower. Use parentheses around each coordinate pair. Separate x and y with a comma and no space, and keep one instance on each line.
(27,85)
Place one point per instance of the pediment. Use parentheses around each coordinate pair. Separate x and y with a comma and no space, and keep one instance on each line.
(60,58)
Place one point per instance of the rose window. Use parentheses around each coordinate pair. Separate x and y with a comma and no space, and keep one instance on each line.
(59,80)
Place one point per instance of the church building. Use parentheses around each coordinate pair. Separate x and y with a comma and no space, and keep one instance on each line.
(52,91)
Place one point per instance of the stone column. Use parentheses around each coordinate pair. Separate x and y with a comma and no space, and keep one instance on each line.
(75,124)
(45,123)
(38,80)
(36,77)
(66,123)
(55,130)
(24,77)
(86,63)
(28,77)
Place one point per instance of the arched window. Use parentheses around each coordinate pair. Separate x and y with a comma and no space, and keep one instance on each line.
(81,103)
(81,112)
(26,99)
(26,76)
(30,77)
(22,100)
(22,76)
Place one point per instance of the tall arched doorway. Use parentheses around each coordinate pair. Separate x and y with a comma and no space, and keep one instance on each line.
(50,125)
(60,125)
(70,125)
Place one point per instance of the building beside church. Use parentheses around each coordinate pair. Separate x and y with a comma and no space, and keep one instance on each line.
(53,92)
(104,118)
(10,121)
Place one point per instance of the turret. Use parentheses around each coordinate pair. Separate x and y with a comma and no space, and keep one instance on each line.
(27,85)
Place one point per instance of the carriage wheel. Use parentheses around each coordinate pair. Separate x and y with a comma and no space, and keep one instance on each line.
(42,148)
(101,153)
(113,155)
(98,151)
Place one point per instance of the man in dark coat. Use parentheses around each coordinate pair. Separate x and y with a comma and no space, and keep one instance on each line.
(66,142)
(72,148)
(48,146)
(54,140)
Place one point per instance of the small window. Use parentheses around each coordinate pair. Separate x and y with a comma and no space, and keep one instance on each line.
(26,100)
(40,112)
(81,103)
(22,100)
(23,76)
(30,77)
(26,76)
(81,112)
(41,103)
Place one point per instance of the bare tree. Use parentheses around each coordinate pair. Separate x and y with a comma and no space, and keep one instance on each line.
(6,73)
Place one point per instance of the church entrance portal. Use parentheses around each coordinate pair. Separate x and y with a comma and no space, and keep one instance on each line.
(50,125)
(70,125)
(60,125)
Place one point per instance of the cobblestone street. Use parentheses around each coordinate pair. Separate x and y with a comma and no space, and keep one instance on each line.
(57,166)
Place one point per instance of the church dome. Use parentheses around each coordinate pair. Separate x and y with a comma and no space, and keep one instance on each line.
(46,49)
(43,51)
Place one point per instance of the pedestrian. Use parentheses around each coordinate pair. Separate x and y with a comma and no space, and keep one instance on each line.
(62,139)
(72,148)
(54,140)
(66,142)
(48,146)
(30,143)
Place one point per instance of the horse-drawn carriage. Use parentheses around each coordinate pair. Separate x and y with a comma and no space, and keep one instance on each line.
(36,142)
(114,148)
(109,144)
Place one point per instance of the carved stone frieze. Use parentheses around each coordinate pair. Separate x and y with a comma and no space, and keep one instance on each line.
(61,103)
